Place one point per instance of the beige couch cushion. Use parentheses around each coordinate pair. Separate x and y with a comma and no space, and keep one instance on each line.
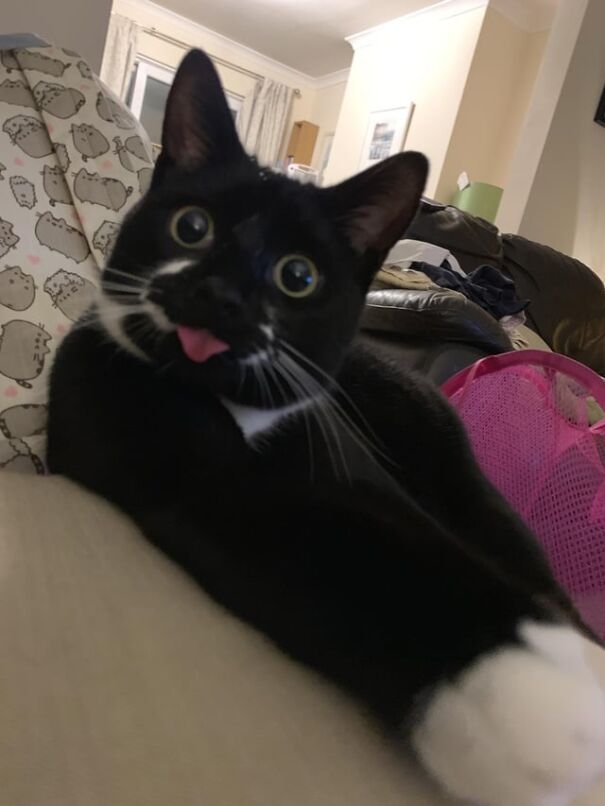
(121,684)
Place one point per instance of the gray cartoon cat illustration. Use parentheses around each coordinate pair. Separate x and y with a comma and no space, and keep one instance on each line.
(2,168)
(85,70)
(122,154)
(17,457)
(27,420)
(55,185)
(29,134)
(62,156)
(70,293)
(23,191)
(17,289)
(56,234)
(8,60)
(97,189)
(136,146)
(33,60)
(17,93)
(105,237)
(23,348)
(110,111)
(8,239)
(89,141)
(144,175)
(62,102)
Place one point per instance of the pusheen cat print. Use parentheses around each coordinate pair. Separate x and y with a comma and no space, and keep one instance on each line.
(8,239)
(144,176)
(23,348)
(62,102)
(8,60)
(16,93)
(27,420)
(89,141)
(62,156)
(55,185)
(105,237)
(29,59)
(111,112)
(97,189)
(122,154)
(84,70)
(135,146)
(70,293)
(23,191)
(17,456)
(17,289)
(29,134)
(56,234)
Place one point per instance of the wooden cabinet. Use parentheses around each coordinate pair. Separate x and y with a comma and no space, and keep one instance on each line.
(302,142)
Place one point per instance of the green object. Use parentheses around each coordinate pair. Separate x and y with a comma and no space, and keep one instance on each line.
(479,199)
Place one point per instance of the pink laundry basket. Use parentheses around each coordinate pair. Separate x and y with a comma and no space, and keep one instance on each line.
(528,415)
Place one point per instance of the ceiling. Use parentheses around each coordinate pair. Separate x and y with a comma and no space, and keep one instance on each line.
(307,35)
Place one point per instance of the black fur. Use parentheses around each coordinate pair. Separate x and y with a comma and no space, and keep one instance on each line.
(388,568)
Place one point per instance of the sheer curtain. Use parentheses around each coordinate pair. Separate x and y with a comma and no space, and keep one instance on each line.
(120,54)
(262,120)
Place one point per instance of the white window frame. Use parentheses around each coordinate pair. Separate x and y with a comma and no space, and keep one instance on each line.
(145,68)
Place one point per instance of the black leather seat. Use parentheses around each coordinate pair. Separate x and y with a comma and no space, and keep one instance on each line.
(434,332)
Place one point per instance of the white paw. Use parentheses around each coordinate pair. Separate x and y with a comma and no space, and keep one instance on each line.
(523,726)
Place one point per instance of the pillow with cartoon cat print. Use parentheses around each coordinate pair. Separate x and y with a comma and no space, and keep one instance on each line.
(72,161)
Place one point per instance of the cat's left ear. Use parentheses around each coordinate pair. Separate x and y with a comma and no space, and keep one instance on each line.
(374,208)
(198,124)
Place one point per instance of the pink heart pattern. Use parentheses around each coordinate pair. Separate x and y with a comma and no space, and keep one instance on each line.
(11,391)
(33,259)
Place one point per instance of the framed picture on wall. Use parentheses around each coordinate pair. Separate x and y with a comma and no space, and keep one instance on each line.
(385,134)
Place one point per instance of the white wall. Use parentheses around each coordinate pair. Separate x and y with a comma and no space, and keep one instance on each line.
(496,97)
(79,26)
(566,207)
(424,59)
(325,111)
(539,117)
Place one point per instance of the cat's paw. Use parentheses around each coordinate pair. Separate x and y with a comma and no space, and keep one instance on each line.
(523,726)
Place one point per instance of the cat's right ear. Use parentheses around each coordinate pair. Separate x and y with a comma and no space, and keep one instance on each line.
(198,124)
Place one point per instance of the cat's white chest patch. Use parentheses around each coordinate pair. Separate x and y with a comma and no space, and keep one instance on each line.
(255,422)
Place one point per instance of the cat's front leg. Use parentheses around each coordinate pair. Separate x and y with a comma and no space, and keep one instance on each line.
(520,726)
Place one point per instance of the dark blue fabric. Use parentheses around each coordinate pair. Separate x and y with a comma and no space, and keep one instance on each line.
(486,286)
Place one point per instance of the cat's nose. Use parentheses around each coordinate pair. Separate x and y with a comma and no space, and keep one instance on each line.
(219,295)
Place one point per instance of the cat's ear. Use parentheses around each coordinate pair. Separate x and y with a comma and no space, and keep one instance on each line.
(198,124)
(374,208)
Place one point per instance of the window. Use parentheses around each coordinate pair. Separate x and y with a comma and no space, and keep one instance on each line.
(148,94)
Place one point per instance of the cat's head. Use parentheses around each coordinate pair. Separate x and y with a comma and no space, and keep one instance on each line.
(225,273)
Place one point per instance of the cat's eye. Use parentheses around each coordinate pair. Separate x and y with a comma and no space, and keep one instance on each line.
(191,227)
(296,276)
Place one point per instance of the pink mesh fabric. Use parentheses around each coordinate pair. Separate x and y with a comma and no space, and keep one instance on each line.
(528,416)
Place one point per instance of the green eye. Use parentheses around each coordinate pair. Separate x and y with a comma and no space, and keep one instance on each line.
(296,276)
(191,227)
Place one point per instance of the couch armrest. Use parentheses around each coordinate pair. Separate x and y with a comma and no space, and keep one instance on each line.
(433,316)
(122,684)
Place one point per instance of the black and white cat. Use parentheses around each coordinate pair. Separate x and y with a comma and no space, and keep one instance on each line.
(217,393)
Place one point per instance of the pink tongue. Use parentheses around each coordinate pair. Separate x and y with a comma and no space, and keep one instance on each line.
(200,345)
